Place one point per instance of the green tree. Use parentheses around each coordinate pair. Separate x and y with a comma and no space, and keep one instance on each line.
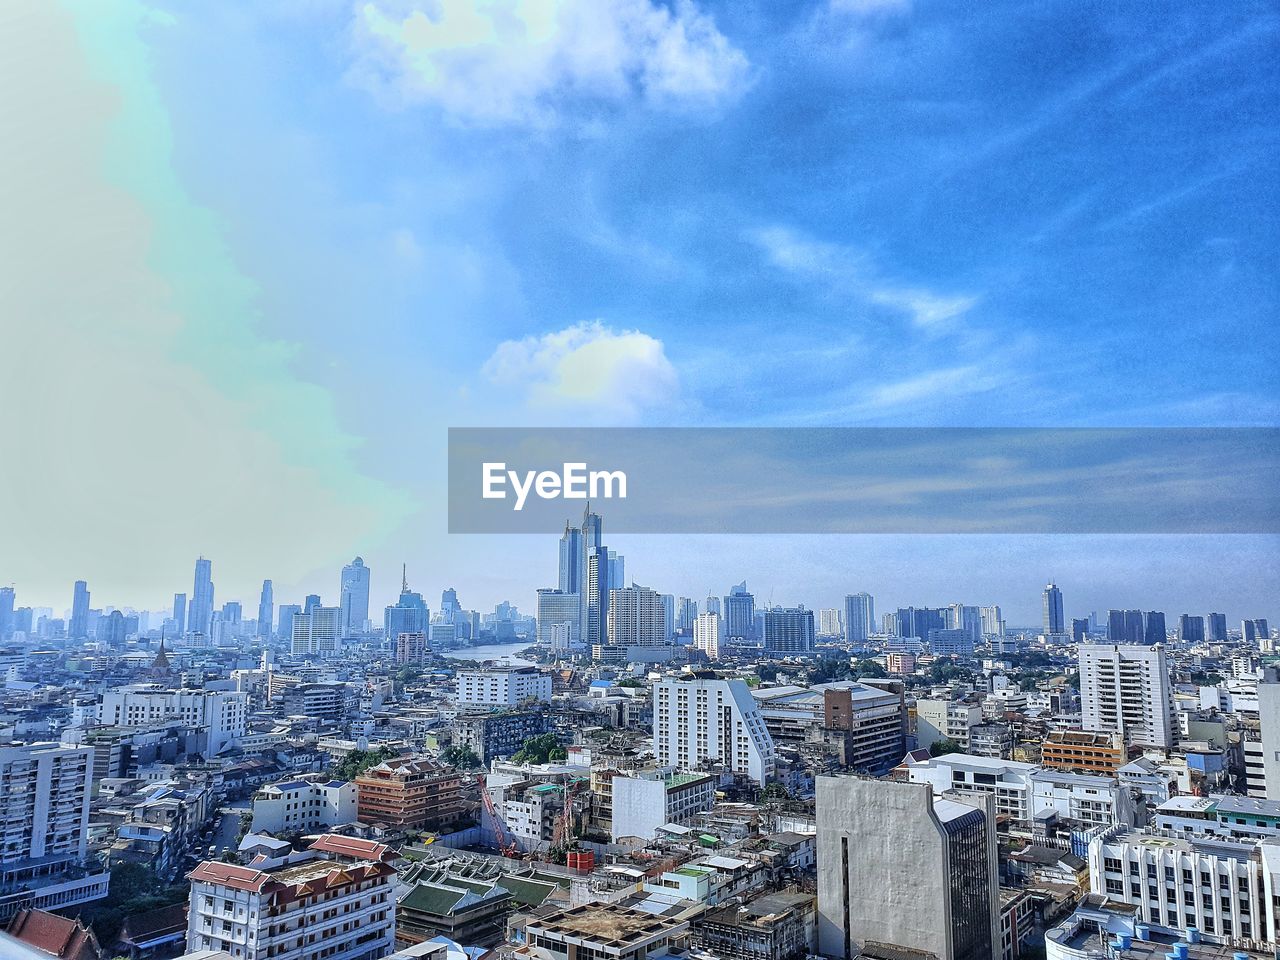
(944,746)
(358,761)
(544,748)
(460,756)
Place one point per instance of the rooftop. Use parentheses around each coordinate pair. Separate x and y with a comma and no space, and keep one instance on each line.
(607,925)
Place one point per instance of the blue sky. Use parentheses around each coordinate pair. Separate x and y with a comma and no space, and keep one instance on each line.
(338,228)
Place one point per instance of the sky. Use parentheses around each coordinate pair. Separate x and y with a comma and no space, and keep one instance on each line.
(258,257)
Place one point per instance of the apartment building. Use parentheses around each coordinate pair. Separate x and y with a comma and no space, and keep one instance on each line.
(1084,751)
(1126,689)
(222,714)
(945,720)
(1084,799)
(304,804)
(501,687)
(700,719)
(1008,782)
(334,901)
(410,793)
(644,801)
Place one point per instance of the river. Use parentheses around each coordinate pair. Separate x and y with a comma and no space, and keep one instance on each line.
(505,653)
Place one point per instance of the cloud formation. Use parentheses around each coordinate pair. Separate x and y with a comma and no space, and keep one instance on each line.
(526,62)
(588,369)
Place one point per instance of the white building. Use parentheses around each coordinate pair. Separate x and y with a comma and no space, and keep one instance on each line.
(708,634)
(1239,818)
(223,714)
(317,633)
(645,801)
(304,805)
(1269,739)
(1083,798)
(699,718)
(1222,888)
(945,720)
(559,619)
(637,617)
(44,797)
(335,901)
(1008,781)
(501,686)
(1126,689)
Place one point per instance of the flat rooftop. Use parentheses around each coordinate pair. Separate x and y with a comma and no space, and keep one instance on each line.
(607,925)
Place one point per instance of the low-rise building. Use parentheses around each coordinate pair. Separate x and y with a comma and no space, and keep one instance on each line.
(1084,751)
(774,926)
(644,801)
(603,932)
(303,805)
(501,687)
(408,793)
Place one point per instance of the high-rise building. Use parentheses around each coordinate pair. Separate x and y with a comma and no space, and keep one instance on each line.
(558,612)
(286,612)
(739,613)
(262,911)
(636,617)
(992,621)
(46,789)
(200,611)
(78,625)
(6,613)
(830,623)
(859,617)
(1080,630)
(1215,628)
(1253,632)
(712,605)
(571,572)
(918,621)
(1269,732)
(708,634)
(317,633)
(598,591)
(222,714)
(1190,628)
(617,569)
(1126,689)
(669,616)
(354,598)
(1126,627)
(311,601)
(700,719)
(936,887)
(1055,623)
(1153,628)
(449,606)
(788,631)
(111,629)
(686,614)
(266,609)
(408,615)
(180,613)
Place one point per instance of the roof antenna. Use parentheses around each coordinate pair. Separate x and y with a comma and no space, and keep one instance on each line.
(404,578)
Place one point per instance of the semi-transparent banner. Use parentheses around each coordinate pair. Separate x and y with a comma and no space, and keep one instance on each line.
(867,480)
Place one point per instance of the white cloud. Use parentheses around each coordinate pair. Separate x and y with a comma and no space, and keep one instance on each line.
(871,8)
(524,61)
(587,369)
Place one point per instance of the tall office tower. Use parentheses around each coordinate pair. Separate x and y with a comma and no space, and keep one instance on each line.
(1054,622)
(1215,628)
(739,613)
(686,614)
(1125,689)
(408,615)
(78,625)
(311,602)
(669,616)
(636,617)
(617,569)
(598,587)
(111,629)
(708,634)
(46,789)
(1153,628)
(859,617)
(1125,627)
(1135,626)
(354,597)
(558,624)
(6,613)
(965,618)
(317,633)
(1191,628)
(287,611)
(918,621)
(200,610)
(1080,630)
(698,717)
(589,543)
(266,609)
(992,621)
(788,630)
(936,888)
(449,605)
(712,605)
(232,611)
(180,613)
(571,557)
(1253,632)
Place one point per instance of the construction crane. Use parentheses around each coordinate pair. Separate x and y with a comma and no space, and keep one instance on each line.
(564,823)
(507,845)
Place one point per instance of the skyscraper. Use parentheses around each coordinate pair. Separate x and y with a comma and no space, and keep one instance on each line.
(1054,622)
(1191,628)
(1126,689)
(200,611)
(859,617)
(408,615)
(266,609)
(571,558)
(1215,628)
(354,601)
(287,612)
(1080,630)
(636,617)
(449,606)
(558,625)
(78,625)
(180,613)
(686,614)
(317,632)
(598,587)
(788,630)
(1153,630)
(708,634)
(1125,627)
(936,889)
(6,613)
(111,629)
(739,613)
